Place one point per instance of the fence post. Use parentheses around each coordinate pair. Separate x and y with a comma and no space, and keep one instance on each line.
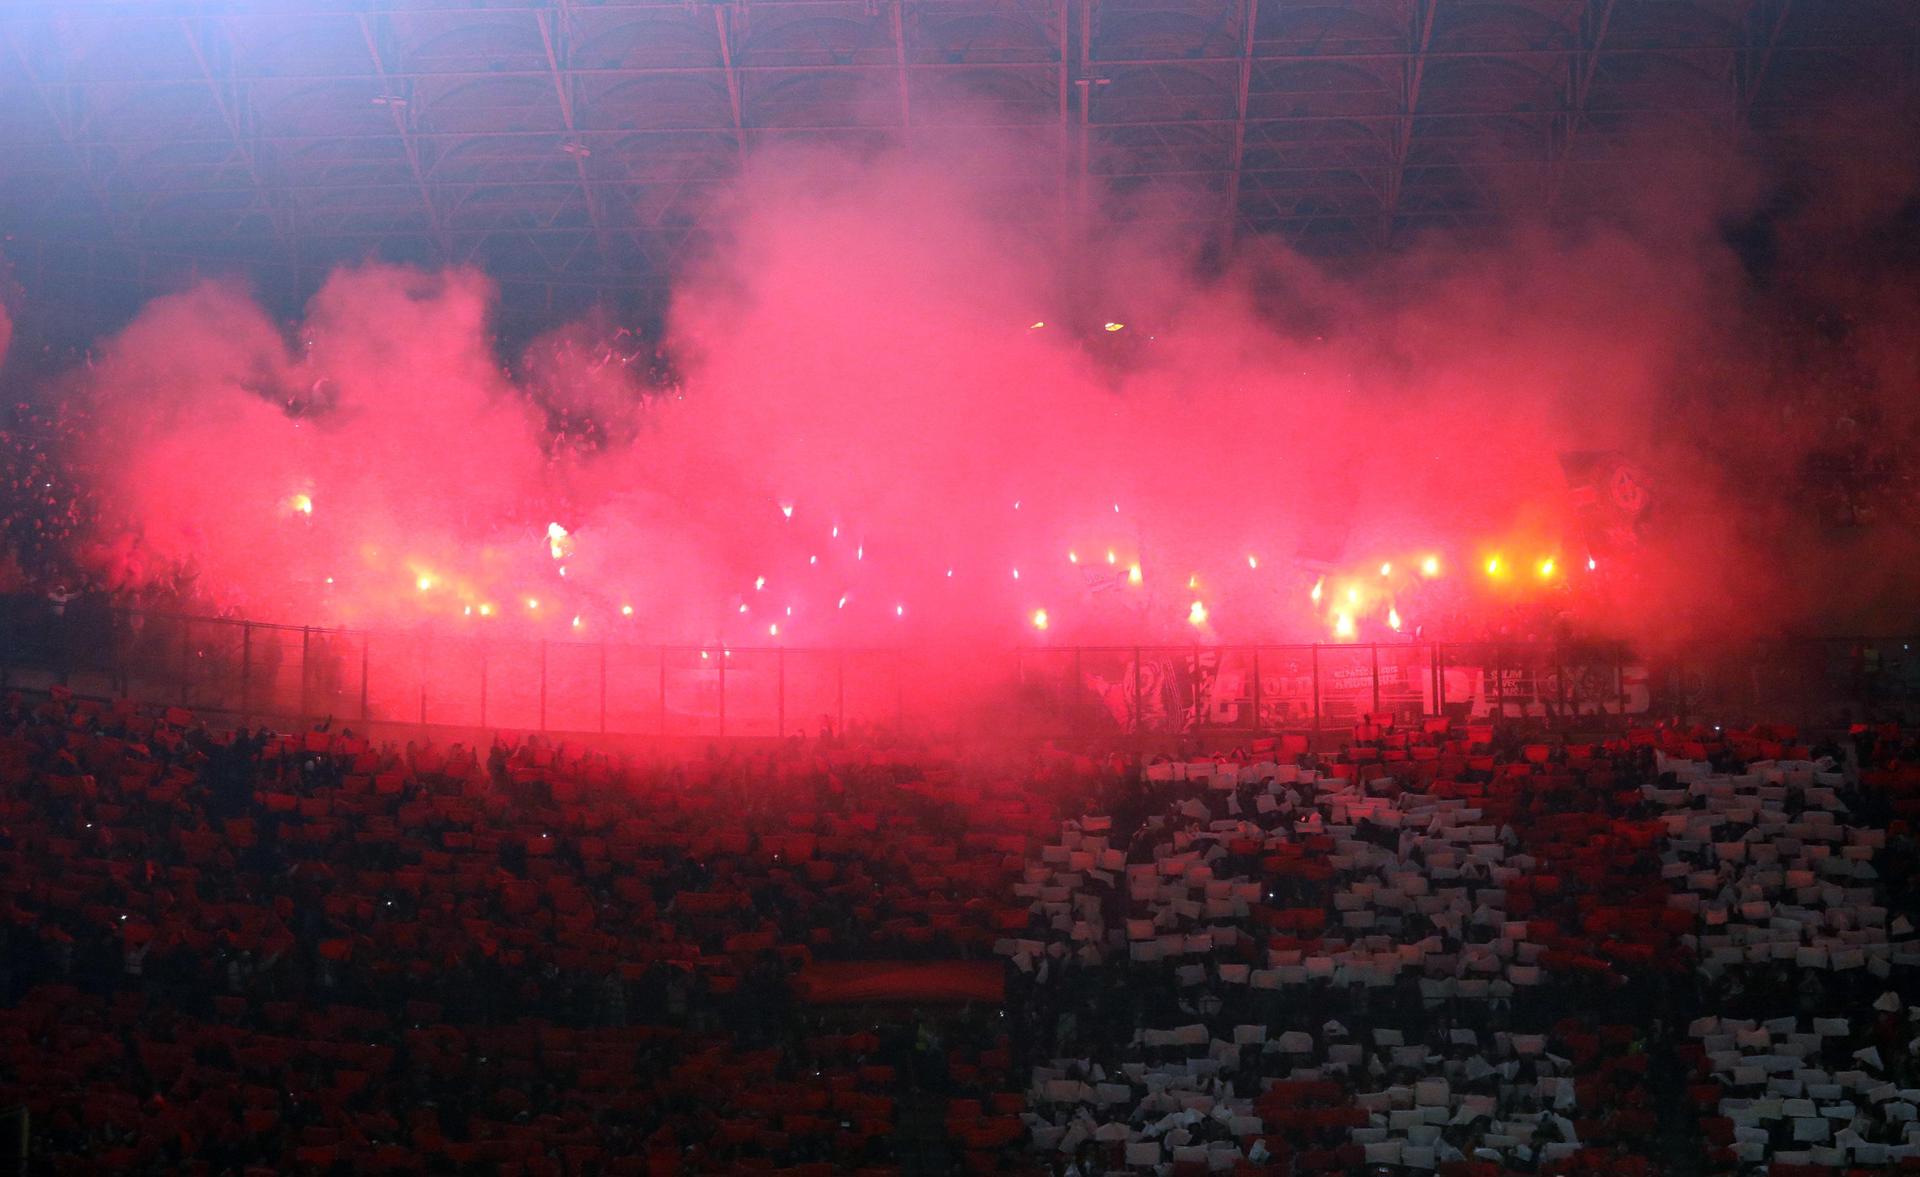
(483,684)
(723,692)
(366,641)
(186,660)
(1499,682)
(780,698)
(900,691)
(1256,689)
(1314,650)
(246,674)
(1438,668)
(1137,697)
(1073,696)
(663,690)
(543,684)
(1376,678)
(306,670)
(1620,682)
(603,688)
(840,693)
(1560,683)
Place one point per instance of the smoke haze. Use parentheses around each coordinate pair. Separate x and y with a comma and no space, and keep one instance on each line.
(876,440)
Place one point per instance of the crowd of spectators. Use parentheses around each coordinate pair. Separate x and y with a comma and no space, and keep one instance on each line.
(1440,948)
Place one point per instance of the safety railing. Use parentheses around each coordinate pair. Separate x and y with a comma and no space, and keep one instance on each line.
(256,670)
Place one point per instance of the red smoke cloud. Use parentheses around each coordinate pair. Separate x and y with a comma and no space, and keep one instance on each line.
(903,419)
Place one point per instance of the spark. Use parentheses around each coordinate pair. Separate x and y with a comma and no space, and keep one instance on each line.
(1353,596)
(1393,619)
(486,610)
(703,655)
(842,604)
(1111,558)
(786,509)
(1493,566)
(563,569)
(626,610)
(1253,562)
(789,610)
(860,553)
(1197,614)
(813,559)
(949,574)
(743,606)
(1318,586)
(1115,326)
(1016,504)
(1546,568)
(1134,575)
(424,583)
(1343,626)
(1590,564)
(533,603)
(759,582)
(836,533)
(1039,619)
(899,610)
(558,543)
(467,612)
(576,621)
(1430,566)
(1016,574)
(1193,581)
(1072,558)
(773,631)
(1037,324)
(1386,569)
(300,504)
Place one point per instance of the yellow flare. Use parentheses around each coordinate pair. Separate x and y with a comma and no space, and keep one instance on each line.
(1386,569)
(773,631)
(1197,614)
(1590,564)
(1393,619)
(486,610)
(1193,581)
(424,583)
(899,610)
(1115,326)
(1134,575)
(1430,566)
(626,610)
(533,603)
(1493,566)
(1036,325)
(1343,626)
(1546,568)
(1111,558)
(1353,596)
(1039,619)
(1252,562)
(1318,587)
(300,504)
(759,582)
(576,622)
(1072,558)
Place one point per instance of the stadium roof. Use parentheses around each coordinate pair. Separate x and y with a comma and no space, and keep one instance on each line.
(571,147)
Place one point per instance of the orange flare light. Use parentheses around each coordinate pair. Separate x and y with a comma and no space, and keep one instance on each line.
(1430,566)
(424,583)
(1493,565)
(1134,575)
(1393,620)
(1039,619)
(1197,615)
(1342,626)
(559,543)
(1318,587)
(300,504)
(1386,570)
(1546,568)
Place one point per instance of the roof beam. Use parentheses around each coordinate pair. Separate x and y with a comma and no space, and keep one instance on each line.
(436,230)
(63,126)
(1250,15)
(563,93)
(230,114)
(723,29)
(900,67)
(1758,59)
(1420,15)
(1595,17)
